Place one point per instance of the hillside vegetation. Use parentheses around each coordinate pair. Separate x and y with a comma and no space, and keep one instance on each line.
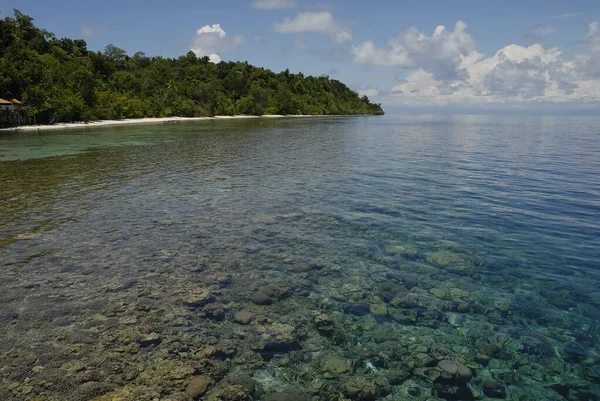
(60,80)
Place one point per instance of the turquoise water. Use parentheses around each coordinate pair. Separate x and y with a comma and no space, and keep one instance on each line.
(375,258)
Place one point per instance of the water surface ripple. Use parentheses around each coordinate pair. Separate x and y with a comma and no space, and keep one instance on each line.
(396,258)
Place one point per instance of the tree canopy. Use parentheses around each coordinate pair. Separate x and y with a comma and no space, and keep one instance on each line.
(60,80)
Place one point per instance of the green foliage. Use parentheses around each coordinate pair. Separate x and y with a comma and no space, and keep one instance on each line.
(60,80)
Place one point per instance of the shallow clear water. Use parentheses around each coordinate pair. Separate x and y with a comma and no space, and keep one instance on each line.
(399,253)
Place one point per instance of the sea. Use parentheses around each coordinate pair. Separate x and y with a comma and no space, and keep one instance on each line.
(408,257)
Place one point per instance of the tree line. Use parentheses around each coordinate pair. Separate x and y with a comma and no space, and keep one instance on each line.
(60,80)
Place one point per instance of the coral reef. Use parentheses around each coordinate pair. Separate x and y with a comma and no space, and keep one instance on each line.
(381,317)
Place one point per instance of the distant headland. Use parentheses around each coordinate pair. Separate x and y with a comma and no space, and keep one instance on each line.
(61,81)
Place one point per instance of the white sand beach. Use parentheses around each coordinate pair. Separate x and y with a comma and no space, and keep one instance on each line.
(132,121)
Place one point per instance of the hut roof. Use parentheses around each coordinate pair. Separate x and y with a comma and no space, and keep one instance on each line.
(2,101)
(15,101)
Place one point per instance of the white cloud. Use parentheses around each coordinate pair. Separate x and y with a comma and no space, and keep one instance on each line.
(273,4)
(88,31)
(214,58)
(563,16)
(419,82)
(315,22)
(368,92)
(211,40)
(439,53)
(589,61)
(343,35)
(514,74)
(447,69)
(593,33)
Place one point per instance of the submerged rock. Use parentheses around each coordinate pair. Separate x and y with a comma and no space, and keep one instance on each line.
(593,373)
(198,297)
(439,292)
(323,319)
(378,309)
(214,311)
(278,339)
(455,369)
(493,389)
(368,323)
(276,349)
(404,317)
(125,394)
(163,372)
(91,389)
(207,352)
(357,310)
(242,379)
(326,331)
(146,340)
(213,352)
(364,389)
(229,393)
(335,364)
(451,261)
(303,267)
(287,395)
(176,397)
(444,258)
(261,299)
(243,317)
(407,250)
(274,291)
(423,359)
(410,281)
(198,386)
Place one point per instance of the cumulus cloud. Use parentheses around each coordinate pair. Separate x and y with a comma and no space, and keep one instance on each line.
(514,74)
(211,40)
(273,4)
(315,22)
(439,53)
(517,71)
(419,82)
(590,61)
(445,68)
(214,58)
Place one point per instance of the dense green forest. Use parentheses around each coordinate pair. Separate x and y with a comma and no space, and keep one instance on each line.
(60,80)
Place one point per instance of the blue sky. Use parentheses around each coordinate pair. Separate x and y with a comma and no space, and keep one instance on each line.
(489,54)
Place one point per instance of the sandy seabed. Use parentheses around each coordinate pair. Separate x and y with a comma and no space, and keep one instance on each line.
(130,121)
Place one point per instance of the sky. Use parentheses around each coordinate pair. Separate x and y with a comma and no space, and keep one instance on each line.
(438,54)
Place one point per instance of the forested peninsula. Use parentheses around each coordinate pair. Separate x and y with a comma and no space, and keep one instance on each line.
(60,80)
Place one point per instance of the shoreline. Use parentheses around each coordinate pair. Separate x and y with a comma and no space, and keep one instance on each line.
(148,120)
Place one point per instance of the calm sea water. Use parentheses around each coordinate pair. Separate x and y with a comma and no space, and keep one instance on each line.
(398,244)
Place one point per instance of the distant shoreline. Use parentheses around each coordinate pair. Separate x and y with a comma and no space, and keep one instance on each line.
(150,120)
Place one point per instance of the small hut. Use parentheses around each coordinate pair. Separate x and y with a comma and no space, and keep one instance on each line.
(12,113)
(6,105)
